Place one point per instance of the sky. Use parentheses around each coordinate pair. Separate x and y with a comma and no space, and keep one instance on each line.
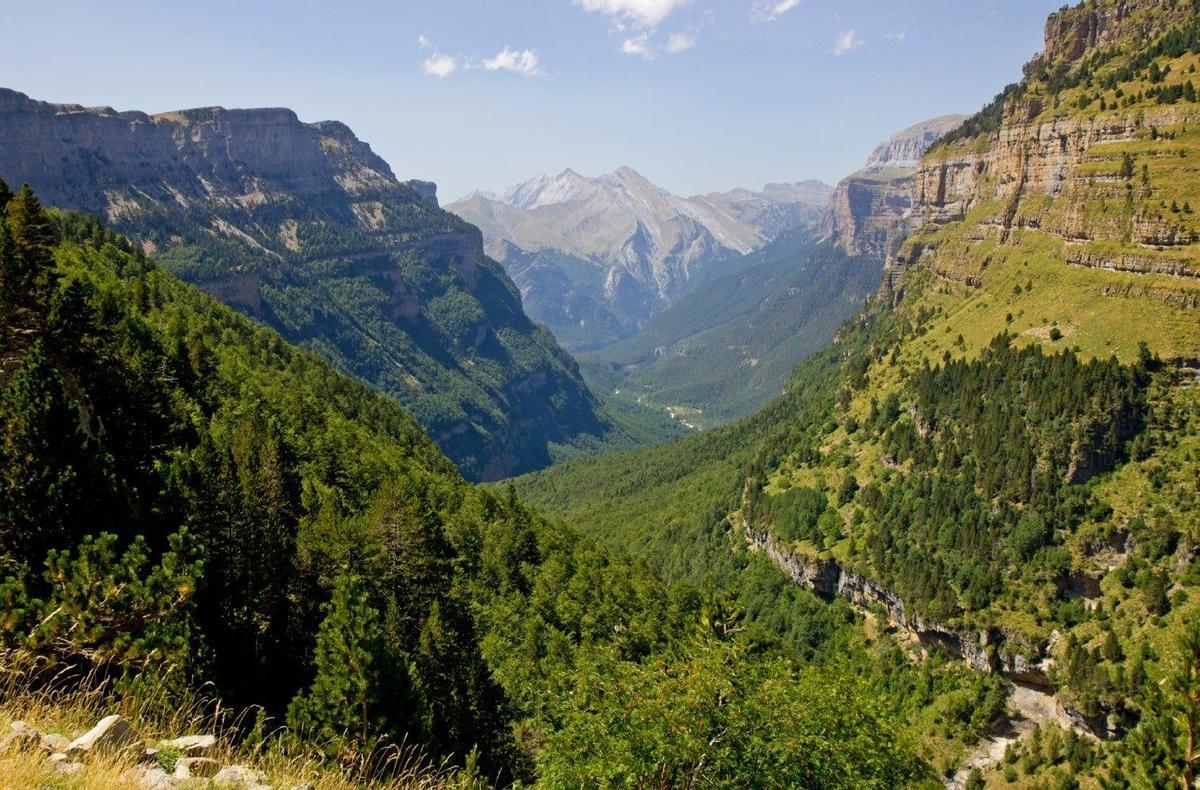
(698,95)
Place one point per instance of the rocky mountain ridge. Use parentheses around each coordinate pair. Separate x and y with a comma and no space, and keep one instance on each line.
(626,247)
(304,227)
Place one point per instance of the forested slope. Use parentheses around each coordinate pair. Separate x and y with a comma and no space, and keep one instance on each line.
(189,506)
(1000,457)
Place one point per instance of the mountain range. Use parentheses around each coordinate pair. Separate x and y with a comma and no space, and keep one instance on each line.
(304,227)
(597,257)
(728,346)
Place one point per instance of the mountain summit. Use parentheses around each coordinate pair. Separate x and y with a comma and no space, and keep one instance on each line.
(596,257)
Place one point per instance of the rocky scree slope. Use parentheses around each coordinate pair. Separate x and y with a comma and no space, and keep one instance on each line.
(304,227)
(596,257)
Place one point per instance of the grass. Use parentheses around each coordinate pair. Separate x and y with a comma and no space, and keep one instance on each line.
(71,711)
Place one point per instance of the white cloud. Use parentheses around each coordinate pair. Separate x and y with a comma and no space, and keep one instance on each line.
(644,13)
(680,42)
(770,10)
(638,45)
(439,65)
(423,42)
(897,36)
(847,42)
(525,62)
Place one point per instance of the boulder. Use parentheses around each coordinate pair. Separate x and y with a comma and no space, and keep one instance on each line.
(20,738)
(148,777)
(194,745)
(192,767)
(239,776)
(111,732)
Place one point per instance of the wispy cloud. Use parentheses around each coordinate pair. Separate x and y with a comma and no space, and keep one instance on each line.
(642,13)
(439,65)
(896,35)
(680,42)
(770,10)
(847,42)
(525,62)
(638,45)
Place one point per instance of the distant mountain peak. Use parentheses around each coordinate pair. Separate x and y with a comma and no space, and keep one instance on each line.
(903,150)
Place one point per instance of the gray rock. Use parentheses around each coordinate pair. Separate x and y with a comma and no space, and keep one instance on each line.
(53,742)
(149,777)
(306,786)
(239,776)
(189,767)
(20,738)
(57,757)
(111,732)
(194,745)
(68,769)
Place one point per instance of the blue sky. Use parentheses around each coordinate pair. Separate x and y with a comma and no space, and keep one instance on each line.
(699,95)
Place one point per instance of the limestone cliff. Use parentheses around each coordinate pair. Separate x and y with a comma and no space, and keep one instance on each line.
(1088,154)
(868,214)
(303,226)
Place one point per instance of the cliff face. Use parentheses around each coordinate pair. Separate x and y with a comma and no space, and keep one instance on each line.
(1085,151)
(869,212)
(306,228)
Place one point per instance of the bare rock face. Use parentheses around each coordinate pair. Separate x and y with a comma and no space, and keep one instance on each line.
(869,213)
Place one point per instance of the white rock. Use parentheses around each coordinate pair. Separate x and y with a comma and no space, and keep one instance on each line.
(149,777)
(194,745)
(111,732)
(239,776)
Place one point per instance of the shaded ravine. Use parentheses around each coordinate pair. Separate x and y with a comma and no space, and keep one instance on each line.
(1030,699)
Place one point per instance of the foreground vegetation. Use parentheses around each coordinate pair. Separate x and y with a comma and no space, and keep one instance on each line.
(190,508)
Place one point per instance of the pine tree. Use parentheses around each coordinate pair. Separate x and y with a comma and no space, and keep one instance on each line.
(5,195)
(342,708)
(39,460)
(28,275)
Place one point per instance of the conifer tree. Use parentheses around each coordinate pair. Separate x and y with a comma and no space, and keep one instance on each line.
(29,273)
(342,707)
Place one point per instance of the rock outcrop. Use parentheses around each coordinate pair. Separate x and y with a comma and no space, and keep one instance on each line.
(869,213)
(1066,165)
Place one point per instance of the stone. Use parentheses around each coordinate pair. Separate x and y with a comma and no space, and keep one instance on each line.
(111,732)
(189,767)
(239,776)
(306,786)
(149,777)
(193,745)
(57,757)
(54,742)
(69,768)
(20,738)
